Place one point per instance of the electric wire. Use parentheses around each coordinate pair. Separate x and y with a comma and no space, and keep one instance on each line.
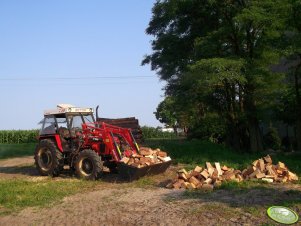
(75,78)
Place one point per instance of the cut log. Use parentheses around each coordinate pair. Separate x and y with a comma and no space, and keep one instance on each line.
(268,159)
(228,176)
(217,183)
(194,181)
(269,180)
(253,175)
(218,168)
(162,154)
(205,174)
(210,168)
(255,163)
(261,165)
(292,176)
(199,186)
(208,181)
(215,175)
(239,177)
(225,168)
(198,169)
(183,176)
(281,166)
(194,173)
(125,160)
(260,175)
(182,171)
(186,184)
(145,151)
(270,170)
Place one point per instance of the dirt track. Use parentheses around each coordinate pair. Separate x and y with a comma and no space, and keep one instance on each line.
(124,204)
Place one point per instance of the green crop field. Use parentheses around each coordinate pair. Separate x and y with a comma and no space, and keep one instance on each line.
(16,150)
(18,136)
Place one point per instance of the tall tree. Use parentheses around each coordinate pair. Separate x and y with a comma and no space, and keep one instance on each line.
(292,65)
(232,42)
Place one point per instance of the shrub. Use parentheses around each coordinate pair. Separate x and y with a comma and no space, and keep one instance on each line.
(272,139)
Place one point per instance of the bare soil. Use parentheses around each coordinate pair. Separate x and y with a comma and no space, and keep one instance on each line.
(114,202)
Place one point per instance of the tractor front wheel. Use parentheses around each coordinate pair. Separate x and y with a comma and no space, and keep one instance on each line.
(88,165)
(48,159)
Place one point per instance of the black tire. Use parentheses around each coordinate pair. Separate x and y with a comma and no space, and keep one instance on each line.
(88,165)
(48,159)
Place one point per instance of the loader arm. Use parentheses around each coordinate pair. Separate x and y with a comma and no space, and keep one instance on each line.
(94,133)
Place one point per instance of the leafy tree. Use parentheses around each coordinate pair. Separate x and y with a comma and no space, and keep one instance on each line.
(217,55)
(166,112)
(291,103)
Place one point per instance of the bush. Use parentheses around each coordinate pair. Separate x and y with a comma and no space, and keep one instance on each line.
(211,128)
(272,139)
(151,132)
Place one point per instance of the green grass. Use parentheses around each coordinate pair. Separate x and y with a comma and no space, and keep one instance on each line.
(17,194)
(16,150)
(197,152)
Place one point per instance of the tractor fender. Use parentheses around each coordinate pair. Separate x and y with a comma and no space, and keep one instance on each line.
(57,140)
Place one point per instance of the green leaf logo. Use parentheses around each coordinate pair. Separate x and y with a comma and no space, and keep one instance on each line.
(282,215)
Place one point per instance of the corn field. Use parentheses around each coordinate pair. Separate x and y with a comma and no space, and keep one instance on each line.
(18,136)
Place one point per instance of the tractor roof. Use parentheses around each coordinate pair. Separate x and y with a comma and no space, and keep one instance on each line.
(67,108)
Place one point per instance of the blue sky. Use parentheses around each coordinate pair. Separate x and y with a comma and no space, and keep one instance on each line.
(44,41)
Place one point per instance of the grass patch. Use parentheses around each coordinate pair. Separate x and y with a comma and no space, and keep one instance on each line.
(197,152)
(18,194)
(243,185)
(144,182)
(16,150)
(196,194)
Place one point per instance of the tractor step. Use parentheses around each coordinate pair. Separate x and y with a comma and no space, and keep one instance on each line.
(130,173)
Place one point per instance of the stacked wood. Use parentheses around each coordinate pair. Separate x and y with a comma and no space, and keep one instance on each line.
(213,175)
(131,123)
(264,169)
(146,157)
(205,178)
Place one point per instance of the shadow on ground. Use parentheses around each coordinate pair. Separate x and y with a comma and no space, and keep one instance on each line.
(31,171)
(249,197)
(19,170)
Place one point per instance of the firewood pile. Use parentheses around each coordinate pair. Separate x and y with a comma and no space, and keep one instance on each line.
(213,175)
(146,157)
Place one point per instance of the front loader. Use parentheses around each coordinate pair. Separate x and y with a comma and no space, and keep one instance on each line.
(70,136)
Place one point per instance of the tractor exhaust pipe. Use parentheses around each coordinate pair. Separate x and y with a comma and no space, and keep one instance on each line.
(97,112)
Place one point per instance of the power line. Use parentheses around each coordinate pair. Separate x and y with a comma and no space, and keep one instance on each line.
(75,78)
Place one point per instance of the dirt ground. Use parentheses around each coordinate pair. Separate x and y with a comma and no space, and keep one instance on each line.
(114,203)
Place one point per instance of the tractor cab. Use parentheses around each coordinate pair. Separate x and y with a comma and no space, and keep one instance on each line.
(65,123)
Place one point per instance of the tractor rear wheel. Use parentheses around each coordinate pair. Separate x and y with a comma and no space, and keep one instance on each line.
(48,159)
(88,165)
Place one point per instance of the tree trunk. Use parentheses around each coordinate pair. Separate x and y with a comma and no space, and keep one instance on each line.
(233,138)
(255,136)
(298,134)
(298,101)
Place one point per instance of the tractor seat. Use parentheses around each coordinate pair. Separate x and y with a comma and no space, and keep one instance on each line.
(64,132)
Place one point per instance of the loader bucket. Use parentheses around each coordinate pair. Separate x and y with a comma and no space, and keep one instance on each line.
(131,173)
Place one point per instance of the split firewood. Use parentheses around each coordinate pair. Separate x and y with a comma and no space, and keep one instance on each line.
(194,180)
(198,169)
(205,174)
(218,168)
(210,168)
(146,157)
(213,176)
(268,159)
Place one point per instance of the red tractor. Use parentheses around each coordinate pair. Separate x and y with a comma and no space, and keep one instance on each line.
(70,136)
